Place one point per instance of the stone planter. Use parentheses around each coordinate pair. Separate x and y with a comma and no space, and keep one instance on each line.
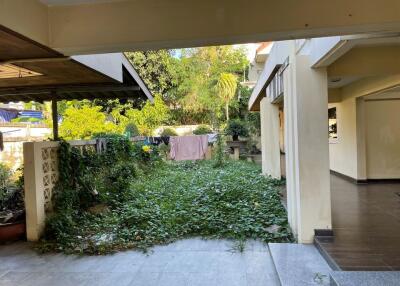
(236,146)
(12,231)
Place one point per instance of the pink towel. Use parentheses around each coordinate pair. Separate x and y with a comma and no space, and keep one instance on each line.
(188,147)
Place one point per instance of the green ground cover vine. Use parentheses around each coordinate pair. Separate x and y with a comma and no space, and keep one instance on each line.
(117,201)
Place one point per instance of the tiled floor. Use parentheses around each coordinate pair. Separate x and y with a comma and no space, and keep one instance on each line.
(188,262)
(366,225)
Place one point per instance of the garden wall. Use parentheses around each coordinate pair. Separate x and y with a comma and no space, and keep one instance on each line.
(40,177)
(14,135)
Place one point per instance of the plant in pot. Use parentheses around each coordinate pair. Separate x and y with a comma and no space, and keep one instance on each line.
(12,208)
(236,128)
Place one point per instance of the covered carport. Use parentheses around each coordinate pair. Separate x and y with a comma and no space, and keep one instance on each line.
(30,71)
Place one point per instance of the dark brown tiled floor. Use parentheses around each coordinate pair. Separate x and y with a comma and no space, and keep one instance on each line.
(366,225)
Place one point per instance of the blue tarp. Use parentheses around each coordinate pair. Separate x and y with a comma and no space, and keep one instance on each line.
(31,113)
(7,115)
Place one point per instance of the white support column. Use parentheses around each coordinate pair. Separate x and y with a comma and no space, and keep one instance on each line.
(307,149)
(271,164)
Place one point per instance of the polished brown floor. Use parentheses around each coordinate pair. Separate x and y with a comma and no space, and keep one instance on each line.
(366,225)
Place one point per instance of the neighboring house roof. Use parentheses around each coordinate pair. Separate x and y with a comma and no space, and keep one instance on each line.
(32,72)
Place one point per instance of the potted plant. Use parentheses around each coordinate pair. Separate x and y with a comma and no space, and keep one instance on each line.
(12,208)
(236,128)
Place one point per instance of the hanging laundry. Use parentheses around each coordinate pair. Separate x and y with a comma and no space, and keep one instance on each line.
(188,147)
(158,140)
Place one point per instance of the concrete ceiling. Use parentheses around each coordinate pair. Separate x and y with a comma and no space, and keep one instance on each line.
(342,81)
(104,26)
(74,2)
(391,94)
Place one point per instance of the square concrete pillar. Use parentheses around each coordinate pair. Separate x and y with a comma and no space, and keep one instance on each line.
(34,195)
(270,149)
(40,177)
(307,149)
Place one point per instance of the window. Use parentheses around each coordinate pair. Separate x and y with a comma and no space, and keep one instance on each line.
(332,117)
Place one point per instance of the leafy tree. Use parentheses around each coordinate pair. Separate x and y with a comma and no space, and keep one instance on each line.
(84,122)
(226,87)
(150,116)
(158,69)
(202,68)
(186,79)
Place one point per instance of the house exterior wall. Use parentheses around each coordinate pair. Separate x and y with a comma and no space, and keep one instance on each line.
(368,140)
(368,144)
(343,151)
(306,142)
(270,149)
(383,139)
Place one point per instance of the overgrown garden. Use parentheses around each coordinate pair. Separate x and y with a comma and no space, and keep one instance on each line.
(128,197)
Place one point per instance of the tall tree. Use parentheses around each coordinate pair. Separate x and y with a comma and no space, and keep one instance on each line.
(226,88)
(186,79)
(158,69)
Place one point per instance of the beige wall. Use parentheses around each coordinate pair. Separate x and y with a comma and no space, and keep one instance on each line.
(368,144)
(27,17)
(343,151)
(383,139)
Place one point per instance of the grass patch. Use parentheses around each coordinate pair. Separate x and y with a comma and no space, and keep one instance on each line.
(174,201)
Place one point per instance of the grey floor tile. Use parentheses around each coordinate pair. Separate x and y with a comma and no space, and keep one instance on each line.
(173,278)
(232,279)
(202,279)
(145,279)
(261,279)
(191,262)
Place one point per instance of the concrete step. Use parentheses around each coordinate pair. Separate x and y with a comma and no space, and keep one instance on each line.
(299,264)
(365,278)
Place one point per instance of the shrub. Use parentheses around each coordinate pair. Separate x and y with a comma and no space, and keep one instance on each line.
(164,150)
(145,154)
(202,130)
(168,132)
(5,175)
(26,119)
(11,194)
(131,130)
(236,128)
(84,122)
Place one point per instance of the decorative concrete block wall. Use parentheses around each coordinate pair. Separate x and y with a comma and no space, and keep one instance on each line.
(40,178)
